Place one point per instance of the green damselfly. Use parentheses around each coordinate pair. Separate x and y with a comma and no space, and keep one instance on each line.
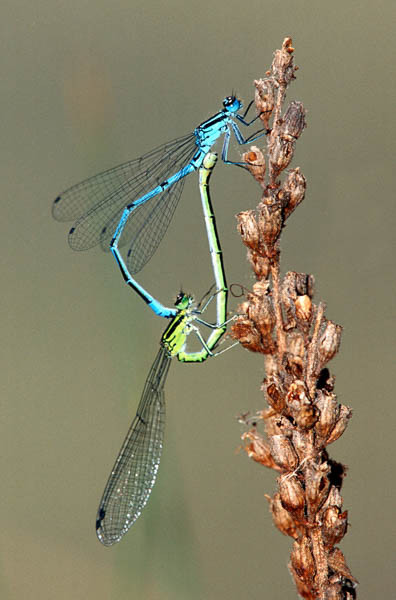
(134,473)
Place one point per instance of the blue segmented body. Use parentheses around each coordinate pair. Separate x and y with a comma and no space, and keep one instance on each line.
(132,204)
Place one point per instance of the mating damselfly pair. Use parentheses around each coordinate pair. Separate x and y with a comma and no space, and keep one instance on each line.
(132,205)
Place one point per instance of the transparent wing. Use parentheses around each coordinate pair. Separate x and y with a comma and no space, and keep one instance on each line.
(97,203)
(146,226)
(135,470)
(149,227)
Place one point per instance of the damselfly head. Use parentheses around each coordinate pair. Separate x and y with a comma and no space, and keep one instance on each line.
(232,104)
(183,300)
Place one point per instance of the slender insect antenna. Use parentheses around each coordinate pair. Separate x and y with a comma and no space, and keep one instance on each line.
(206,295)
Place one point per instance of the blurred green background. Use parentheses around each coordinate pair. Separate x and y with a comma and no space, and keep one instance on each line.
(87,85)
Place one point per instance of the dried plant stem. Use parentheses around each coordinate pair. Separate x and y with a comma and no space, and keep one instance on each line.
(280,320)
(319,555)
(280,334)
(312,350)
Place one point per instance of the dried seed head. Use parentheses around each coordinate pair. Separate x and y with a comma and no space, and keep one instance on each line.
(338,564)
(335,524)
(293,365)
(344,415)
(244,331)
(255,164)
(292,495)
(262,314)
(299,404)
(264,99)
(261,289)
(282,66)
(293,190)
(296,285)
(329,342)
(278,425)
(301,444)
(289,307)
(248,228)
(297,394)
(270,223)
(302,560)
(334,498)
(307,283)
(275,398)
(303,306)
(304,590)
(306,416)
(283,452)
(282,518)
(254,328)
(317,485)
(260,264)
(296,344)
(303,414)
(293,121)
(258,449)
(281,155)
(294,358)
(328,414)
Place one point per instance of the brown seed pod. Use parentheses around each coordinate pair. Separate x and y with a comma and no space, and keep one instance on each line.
(258,449)
(264,99)
(338,564)
(270,222)
(317,485)
(275,398)
(302,560)
(292,495)
(283,452)
(328,414)
(282,518)
(303,305)
(255,162)
(329,342)
(282,152)
(293,191)
(335,524)
(248,229)
(282,68)
(244,331)
(293,121)
(260,264)
(344,415)
(306,416)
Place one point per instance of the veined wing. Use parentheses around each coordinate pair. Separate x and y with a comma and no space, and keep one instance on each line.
(97,202)
(146,225)
(146,228)
(135,470)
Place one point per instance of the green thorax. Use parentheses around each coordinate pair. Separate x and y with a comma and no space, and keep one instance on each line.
(175,335)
